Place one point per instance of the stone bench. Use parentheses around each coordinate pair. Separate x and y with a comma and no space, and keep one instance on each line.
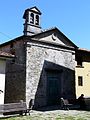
(66,105)
(14,108)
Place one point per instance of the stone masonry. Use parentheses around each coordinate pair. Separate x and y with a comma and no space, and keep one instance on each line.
(41,57)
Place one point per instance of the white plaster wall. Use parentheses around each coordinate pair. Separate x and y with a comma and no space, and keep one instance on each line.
(2,80)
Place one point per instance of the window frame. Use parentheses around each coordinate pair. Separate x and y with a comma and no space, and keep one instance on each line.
(80,80)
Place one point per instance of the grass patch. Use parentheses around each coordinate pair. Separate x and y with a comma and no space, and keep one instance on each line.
(44,118)
(54,115)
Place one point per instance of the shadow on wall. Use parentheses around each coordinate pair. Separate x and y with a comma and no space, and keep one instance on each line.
(87,102)
(15,84)
(55,82)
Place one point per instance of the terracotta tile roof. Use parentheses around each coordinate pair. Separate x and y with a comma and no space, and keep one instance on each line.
(83,49)
(4,54)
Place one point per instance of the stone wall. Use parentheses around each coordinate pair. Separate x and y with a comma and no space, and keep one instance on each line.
(87,102)
(39,59)
(15,72)
(26,75)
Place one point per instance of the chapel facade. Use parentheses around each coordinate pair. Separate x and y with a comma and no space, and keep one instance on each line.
(44,65)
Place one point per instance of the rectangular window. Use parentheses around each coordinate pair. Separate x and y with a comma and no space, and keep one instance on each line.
(79,62)
(80,81)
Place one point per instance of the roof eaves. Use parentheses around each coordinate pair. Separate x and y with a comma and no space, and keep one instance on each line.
(13,40)
(82,49)
(4,54)
(66,37)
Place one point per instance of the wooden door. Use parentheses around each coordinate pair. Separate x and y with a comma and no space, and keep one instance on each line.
(53,87)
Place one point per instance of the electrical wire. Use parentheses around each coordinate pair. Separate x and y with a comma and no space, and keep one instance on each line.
(5,35)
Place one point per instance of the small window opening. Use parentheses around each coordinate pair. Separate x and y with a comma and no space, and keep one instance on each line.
(32,18)
(80,81)
(37,20)
(79,62)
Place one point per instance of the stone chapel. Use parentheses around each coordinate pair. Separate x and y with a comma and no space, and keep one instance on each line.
(44,65)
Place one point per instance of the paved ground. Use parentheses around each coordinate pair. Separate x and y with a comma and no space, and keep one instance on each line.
(54,113)
(60,115)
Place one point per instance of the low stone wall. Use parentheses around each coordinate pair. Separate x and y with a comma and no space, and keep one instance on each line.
(87,101)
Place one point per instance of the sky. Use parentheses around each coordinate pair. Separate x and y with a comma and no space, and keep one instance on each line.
(72,17)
